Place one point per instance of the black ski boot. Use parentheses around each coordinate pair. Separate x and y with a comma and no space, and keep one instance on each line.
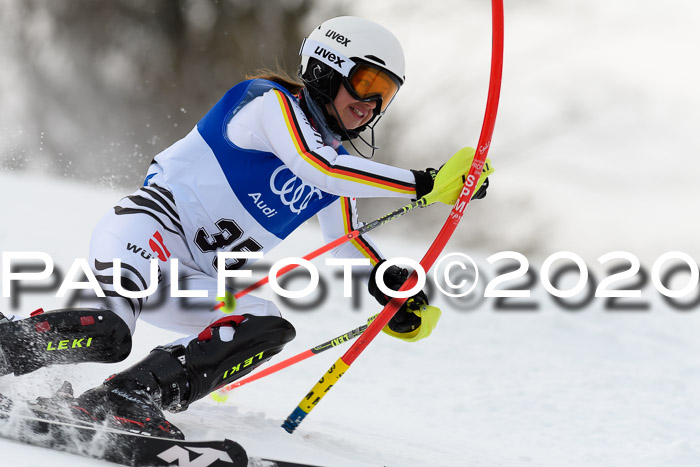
(4,364)
(172,377)
(5,319)
(60,406)
(135,398)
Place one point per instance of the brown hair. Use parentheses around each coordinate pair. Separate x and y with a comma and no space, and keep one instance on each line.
(278,76)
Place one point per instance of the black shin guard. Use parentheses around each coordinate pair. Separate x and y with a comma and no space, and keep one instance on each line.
(212,363)
(174,376)
(61,337)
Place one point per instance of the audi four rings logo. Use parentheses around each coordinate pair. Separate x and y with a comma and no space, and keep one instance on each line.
(297,197)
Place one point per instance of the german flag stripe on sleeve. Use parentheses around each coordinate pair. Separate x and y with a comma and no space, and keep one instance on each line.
(364,247)
(326,167)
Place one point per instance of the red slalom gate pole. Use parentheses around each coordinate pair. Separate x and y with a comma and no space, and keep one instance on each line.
(327,381)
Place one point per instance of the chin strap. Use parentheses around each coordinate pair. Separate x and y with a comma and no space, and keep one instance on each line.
(367,143)
(352,134)
(318,116)
(330,127)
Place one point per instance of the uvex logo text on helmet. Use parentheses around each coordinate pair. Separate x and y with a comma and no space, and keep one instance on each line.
(328,55)
(338,37)
(297,197)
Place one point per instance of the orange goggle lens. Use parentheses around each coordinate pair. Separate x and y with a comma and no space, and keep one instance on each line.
(368,82)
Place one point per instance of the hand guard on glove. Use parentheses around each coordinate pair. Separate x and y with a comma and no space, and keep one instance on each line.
(416,319)
(445,185)
(425,179)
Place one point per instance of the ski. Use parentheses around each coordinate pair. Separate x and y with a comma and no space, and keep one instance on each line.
(54,431)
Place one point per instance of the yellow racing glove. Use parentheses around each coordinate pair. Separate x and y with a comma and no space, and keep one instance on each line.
(413,323)
(450,179)
(416,319)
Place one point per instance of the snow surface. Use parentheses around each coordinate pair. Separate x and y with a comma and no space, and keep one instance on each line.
(489,388)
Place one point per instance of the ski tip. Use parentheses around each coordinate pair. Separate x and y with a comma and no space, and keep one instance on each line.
(235,451)
(253,461)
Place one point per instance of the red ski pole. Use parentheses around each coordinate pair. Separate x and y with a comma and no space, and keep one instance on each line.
(338,241)
(326,382)
(222,394)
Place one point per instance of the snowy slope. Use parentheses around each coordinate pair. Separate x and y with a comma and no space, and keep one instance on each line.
(545,388)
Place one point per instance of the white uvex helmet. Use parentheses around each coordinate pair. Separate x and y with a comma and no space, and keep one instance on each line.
(363,55)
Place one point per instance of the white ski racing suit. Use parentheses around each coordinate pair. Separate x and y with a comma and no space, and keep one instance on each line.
(250,172)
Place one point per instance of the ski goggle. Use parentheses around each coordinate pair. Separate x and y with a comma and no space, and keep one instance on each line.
(367,83)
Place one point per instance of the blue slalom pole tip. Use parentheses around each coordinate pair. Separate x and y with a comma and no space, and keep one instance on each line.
(289,426)
(293,421)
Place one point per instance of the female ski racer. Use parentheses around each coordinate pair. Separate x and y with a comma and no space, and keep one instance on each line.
(263,160)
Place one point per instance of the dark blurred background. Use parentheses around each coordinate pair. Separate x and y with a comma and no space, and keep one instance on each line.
(593,145)
(78,67)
